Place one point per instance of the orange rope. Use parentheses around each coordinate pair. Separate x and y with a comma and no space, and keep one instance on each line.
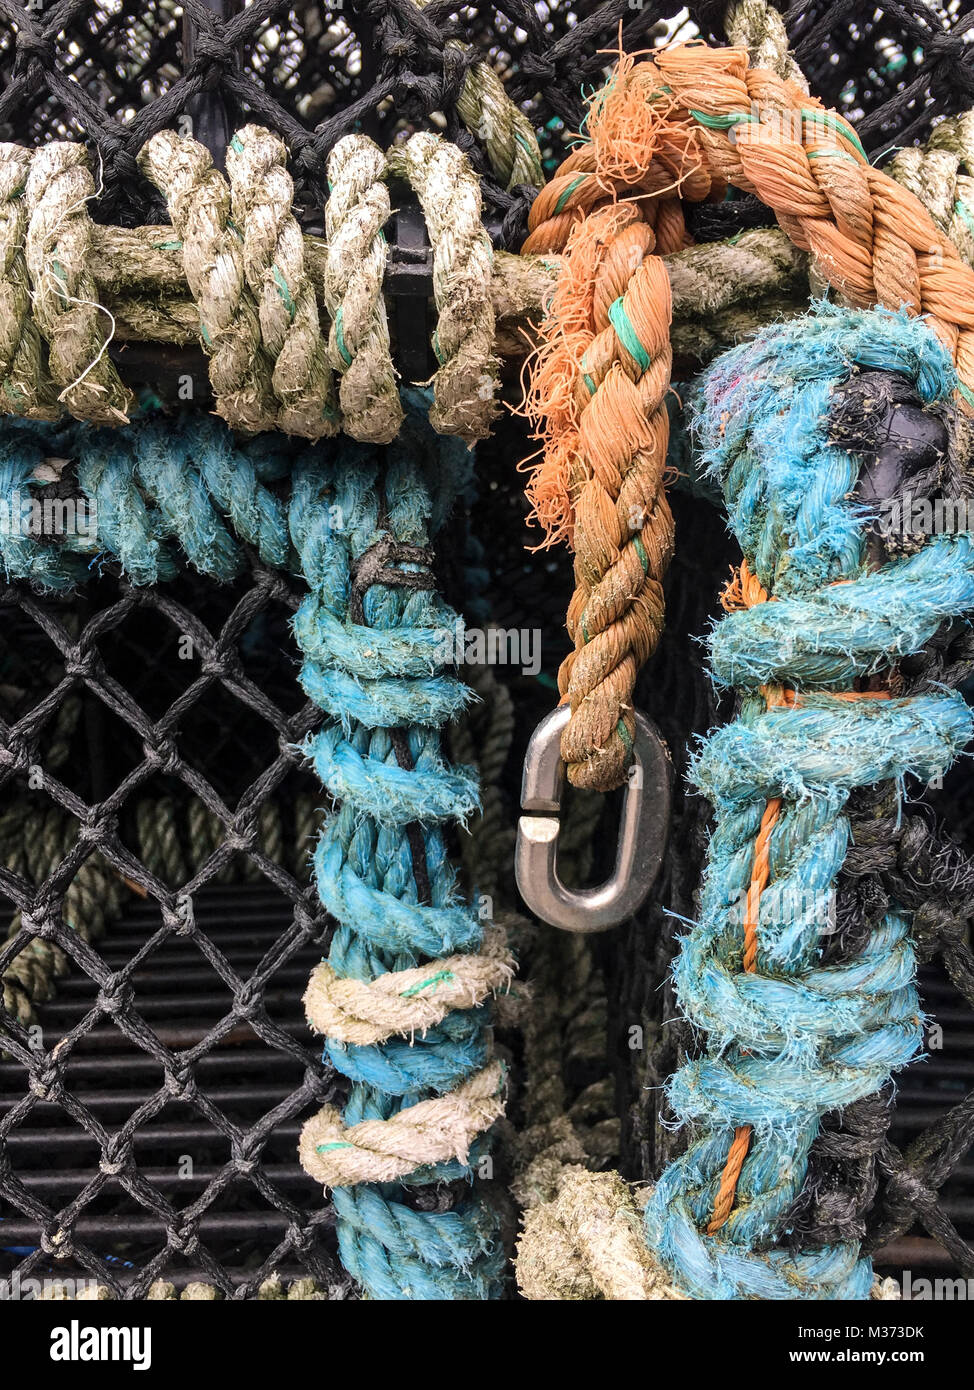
(683,127)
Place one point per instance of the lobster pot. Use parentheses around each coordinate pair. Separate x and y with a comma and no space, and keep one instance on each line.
(160,907)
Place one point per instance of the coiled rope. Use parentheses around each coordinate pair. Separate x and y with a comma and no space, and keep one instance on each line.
(686,125)
(140,292)
(244,259)
(401,993)
(358,345)
(787,1039)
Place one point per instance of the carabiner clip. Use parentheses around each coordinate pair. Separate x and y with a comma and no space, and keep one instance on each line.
(643,827)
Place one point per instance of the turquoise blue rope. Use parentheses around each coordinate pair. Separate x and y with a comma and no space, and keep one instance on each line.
(162,484)
(792,1040)
(383,672)
(158,486)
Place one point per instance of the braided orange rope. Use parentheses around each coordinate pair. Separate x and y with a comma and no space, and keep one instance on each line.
(596,396)
(685,125)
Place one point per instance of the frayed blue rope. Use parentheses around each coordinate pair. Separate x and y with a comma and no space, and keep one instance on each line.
(162,483)
(157,481)
(375,660)
(793,1039)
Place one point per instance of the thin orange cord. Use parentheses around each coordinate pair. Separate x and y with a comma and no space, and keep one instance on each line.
(744,590)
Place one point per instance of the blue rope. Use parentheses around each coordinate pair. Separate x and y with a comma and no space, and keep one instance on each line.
(157,481)
(794,1039)
(375,671)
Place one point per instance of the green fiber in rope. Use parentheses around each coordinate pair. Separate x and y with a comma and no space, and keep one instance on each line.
(426,984)
(836,154)
(963,211)
(721,122)
(627,335)
(340,339)
(832,123)
(966,393)
(283,291)
(563,197)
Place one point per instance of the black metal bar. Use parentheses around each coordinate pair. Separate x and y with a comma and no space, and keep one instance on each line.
(232,1225)
(101,1103)
(190,979)
(72,1180)
(176,1005)
(207,111)
(49,1141)
(235,1062)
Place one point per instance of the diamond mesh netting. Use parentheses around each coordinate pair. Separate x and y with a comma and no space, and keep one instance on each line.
(156,824)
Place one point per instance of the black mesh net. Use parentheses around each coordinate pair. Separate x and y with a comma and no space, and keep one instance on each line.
(156,824)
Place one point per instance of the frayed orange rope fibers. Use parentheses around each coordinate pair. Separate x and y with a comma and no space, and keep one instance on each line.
(682,127)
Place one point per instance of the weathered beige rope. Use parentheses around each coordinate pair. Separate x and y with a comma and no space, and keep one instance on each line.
(493,118)
(198,200)
(354,268)
(140,281)
(587,1244)
(449,194)
(261,198)
(65,306)
(508,136)
(151,284)
(941,174)
(25,386)
(406,1002)
(760,28)
(431,1131)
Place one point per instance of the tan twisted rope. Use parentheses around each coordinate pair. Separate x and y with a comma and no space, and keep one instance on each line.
(56,248)
(261,195)
(199,205)
(406,1002)
(941,175)
(25,386)
(449,194)
(600,410)
(431,1131)
(509,139)
(493,118)
(760,28)
(873,239)
(355,265)
(586,1244)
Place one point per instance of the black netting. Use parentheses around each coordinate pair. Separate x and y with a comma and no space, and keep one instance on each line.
(156,825)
